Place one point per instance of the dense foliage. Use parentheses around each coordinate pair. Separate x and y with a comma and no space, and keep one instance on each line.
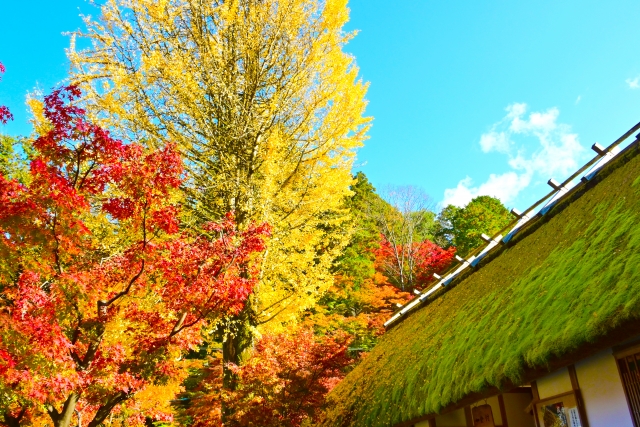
(101,290)
(463,227)
(262,100)
(367,285)
(283,384)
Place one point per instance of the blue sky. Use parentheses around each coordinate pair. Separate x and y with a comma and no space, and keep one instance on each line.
(467,97)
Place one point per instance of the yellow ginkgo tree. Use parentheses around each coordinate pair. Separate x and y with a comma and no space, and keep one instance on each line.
(266,107)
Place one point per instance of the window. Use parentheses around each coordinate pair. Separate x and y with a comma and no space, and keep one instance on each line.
(630,372)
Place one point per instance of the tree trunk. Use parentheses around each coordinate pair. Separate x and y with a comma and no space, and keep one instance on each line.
(237,342)
(63,419)
(234,348)
(240,337)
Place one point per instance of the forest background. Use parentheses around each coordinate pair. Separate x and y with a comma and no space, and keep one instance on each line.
(183,240)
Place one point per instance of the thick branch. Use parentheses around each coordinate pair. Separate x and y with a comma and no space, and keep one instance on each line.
(63,419)
(104,410)
(91,353)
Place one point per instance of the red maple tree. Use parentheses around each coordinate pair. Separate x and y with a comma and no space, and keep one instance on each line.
(431,258)
(283,384)
(101,292)
(422,260)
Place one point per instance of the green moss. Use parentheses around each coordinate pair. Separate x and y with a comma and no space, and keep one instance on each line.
(564,283)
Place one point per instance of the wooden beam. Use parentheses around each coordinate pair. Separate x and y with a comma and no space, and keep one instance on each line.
(525,390)
(573,377)
(576,389)
(503,411)
(536,398)
(468,416)
(534,391)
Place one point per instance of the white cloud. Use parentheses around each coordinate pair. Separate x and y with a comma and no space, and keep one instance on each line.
(536,123)
(498,141)
(634,83)
(504,187)
(578,99)
(556,157)
(555,154)
(516,110)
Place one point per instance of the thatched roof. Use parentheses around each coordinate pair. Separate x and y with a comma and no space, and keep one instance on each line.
(560,286)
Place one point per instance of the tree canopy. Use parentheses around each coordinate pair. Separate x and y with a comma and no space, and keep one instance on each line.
(267,108)
(463,227)
(101,291)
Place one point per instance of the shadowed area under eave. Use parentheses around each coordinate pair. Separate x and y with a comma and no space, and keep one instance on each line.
(566,282)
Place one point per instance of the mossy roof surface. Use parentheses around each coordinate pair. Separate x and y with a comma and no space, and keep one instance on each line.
(561,285)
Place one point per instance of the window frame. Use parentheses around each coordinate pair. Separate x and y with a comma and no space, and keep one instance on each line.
(620,354)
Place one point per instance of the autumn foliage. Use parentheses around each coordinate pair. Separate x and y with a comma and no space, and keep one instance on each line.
(429,258)
(102,290)
(113,311)
(283,384)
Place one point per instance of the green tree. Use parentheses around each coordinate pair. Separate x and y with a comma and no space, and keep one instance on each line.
(13,158)
(357,259)
(462,227)
(361,298)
